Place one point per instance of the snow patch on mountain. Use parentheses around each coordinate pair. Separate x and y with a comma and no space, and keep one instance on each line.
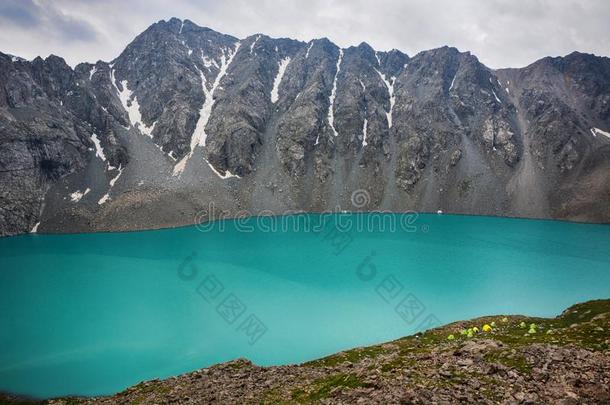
(199,135)
(333,94)
(77,195)
(131,105)
(113,180)
(597,131)
(106,196)
(227,174)
(309,49)
(362,85)
(253,44)
(282,65)
(390,86)
(207,62)
(17,58)
(364,127)
(99,151)
(452,82)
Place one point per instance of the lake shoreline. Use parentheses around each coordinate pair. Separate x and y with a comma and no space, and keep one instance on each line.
(160,304)
(491,359)
(235,216)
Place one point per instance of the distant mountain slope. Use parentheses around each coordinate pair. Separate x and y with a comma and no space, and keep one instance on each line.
(187,116)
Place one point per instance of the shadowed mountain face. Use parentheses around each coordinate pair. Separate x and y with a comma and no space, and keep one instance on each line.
(186,117)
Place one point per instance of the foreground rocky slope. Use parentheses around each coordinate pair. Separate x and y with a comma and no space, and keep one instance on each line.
(564,360)
(187,116)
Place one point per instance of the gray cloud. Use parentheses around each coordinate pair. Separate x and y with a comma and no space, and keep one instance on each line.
(35,18)
(500,32)
(21,13)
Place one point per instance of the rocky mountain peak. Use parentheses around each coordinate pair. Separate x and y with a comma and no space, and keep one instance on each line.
(185,116)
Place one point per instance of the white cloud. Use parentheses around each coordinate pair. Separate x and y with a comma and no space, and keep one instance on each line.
(501,33)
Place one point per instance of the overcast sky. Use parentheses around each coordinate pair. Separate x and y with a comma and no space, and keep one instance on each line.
(502,33)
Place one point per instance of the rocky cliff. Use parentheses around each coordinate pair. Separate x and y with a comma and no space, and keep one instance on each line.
(186,117)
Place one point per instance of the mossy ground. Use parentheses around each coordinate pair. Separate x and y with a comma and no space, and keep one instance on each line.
(586,325)
(352,356)
(322,387)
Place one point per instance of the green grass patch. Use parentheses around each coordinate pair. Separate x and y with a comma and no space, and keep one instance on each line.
(353,356)
(322,387)
(512,360)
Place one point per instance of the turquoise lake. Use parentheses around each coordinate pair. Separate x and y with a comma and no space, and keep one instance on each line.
(92,314)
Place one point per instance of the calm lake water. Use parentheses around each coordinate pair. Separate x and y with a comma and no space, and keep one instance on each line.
(92,314)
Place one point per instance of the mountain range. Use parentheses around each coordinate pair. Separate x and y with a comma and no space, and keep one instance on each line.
(186,117)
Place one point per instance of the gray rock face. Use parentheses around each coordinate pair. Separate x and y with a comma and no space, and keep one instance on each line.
(48,117)
(186,116)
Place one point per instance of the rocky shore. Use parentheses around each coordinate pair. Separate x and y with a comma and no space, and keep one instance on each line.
(495,359)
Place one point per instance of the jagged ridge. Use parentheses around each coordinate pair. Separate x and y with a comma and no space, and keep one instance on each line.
(187,116)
